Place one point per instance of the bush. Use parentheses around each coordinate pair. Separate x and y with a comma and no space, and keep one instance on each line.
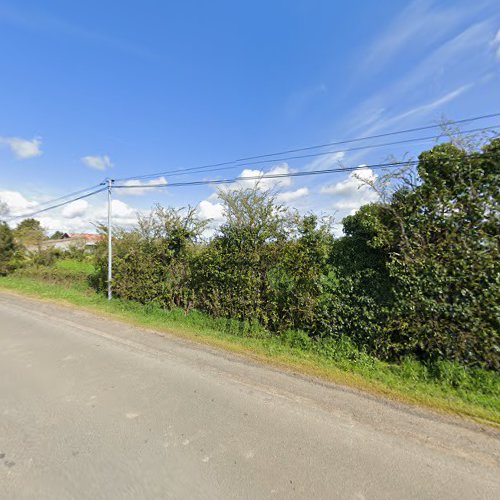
(152,263)
(7,250)
(416,276)
(446,266)
(297,338)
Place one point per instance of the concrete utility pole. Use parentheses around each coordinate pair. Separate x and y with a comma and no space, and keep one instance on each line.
(110,241)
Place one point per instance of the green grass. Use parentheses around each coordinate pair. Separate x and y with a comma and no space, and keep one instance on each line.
(445,387)
(72,266)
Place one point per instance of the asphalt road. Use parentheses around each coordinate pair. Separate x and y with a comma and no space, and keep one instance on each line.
(91,408)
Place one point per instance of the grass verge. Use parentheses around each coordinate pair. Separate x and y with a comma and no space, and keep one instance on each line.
(446,387)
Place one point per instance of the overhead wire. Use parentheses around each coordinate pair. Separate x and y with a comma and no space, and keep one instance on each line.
(265,176)
(181,172)
(307,148)
(280,175)
(237,179)
(31,214)
(80,191)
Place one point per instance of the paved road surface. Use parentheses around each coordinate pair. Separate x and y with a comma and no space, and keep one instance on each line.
(91,408)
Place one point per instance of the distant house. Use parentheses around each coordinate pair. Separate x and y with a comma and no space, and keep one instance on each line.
(85,241)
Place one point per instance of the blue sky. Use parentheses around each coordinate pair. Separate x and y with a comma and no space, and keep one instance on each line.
(95,89)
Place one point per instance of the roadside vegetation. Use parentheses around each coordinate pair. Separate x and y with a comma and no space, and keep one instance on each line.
(405,303)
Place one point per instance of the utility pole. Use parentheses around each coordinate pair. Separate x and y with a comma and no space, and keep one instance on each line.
(110,241)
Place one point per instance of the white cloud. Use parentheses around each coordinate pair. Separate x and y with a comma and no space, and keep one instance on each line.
(263,183)
(209,210)
(288,196)
(23,148)
(56,222)
(122,215)
(16,203)
(4,210)
(121,210)
(75,209)
(353,191)
(148,186)
(78,216)
(98,162)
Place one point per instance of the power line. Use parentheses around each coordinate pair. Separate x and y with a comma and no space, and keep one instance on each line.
(284,175)
(23,216)
(269,176)
(322,153)
(307,148)
(240,178)
(49,202)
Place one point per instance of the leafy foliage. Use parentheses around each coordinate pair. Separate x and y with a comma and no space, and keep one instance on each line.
(7,249)
(57,235)
(447,264)
(152,262)
(29,232)
(230,274)
(415,275)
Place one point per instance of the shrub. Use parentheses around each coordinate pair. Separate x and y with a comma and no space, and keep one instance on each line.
(415,276)
(297,338)
(7,249)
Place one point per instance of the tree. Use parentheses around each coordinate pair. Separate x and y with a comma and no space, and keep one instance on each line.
(295,276)
(57,235)
(445,257)
(176,227)
(29,232)
(357,252)
(230,275)
(151,263)
(7,249)
(4,210)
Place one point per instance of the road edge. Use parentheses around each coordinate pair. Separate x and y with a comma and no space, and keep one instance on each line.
(348,382)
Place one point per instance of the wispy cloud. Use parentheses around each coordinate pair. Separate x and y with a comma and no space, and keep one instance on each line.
(459,50)
(425,108)
(420,24)
(43,22)
(300,100)
(496,44)
(440,77)
(325,161)
(98,162)
(23,148)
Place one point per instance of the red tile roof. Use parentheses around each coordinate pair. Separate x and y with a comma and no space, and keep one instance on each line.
(89,238)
